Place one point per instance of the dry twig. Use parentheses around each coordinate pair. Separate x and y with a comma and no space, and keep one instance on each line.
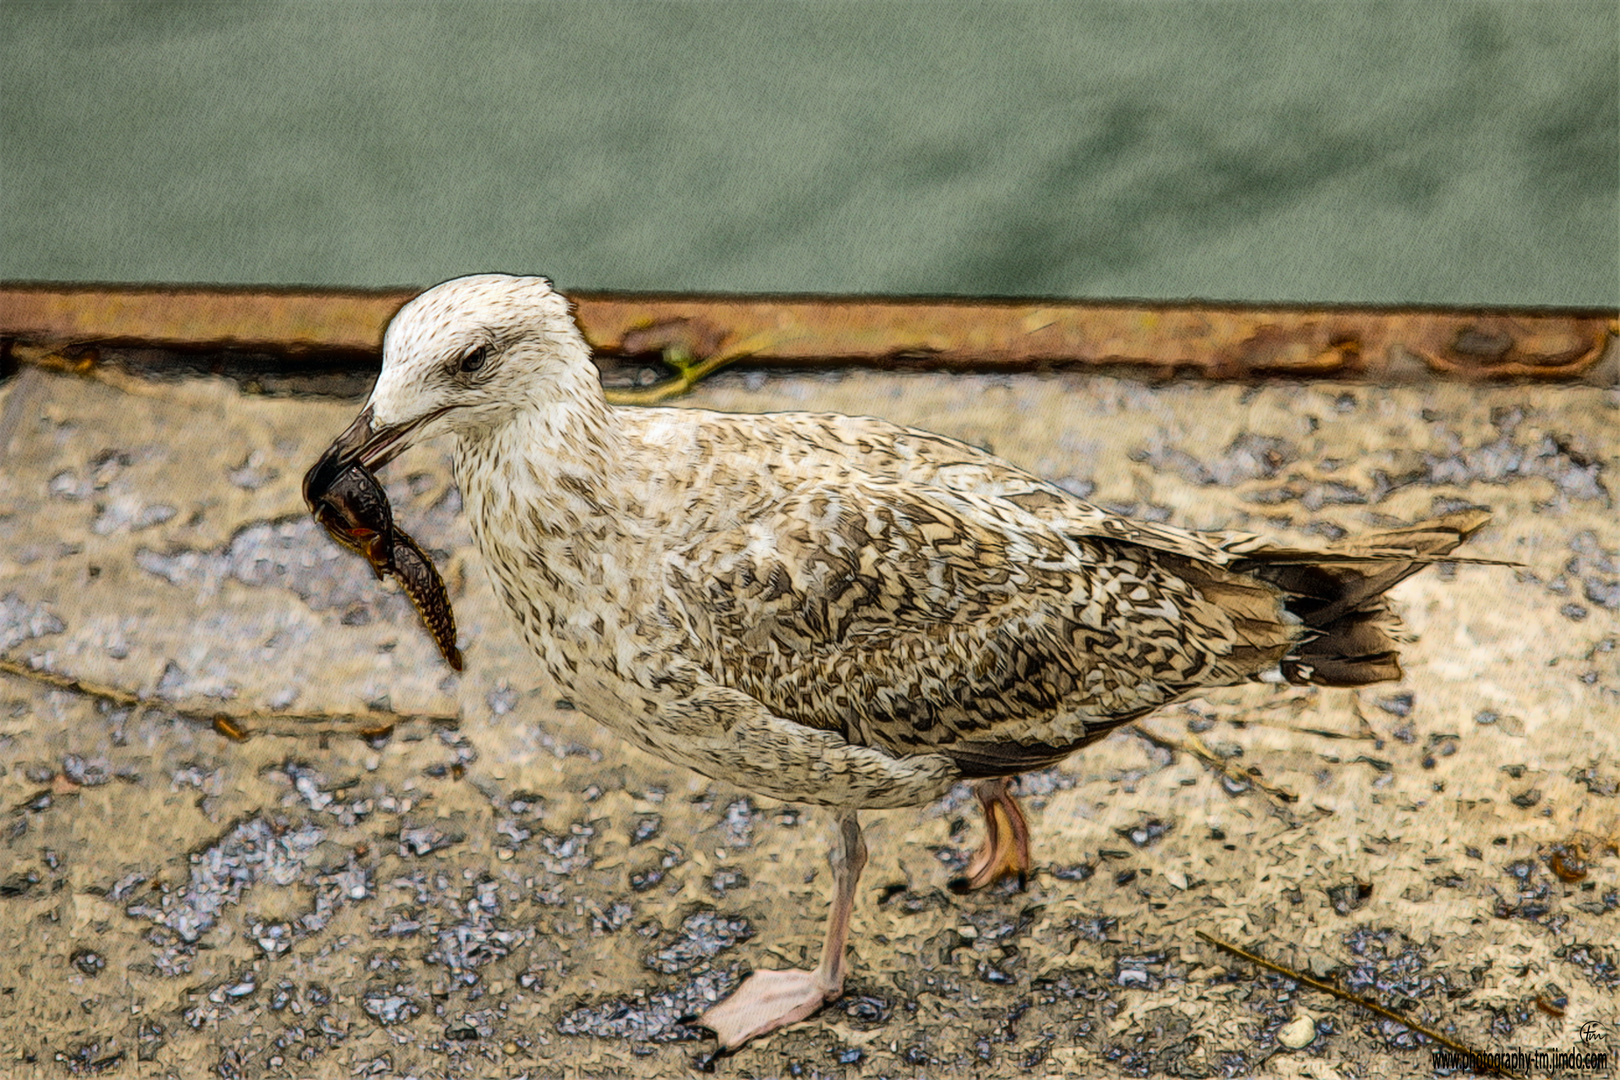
(1481,1059)
(236,724)
(1197,748)
(689,371)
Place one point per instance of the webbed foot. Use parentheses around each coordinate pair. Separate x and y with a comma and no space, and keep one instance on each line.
(766,1001)
(1006,842)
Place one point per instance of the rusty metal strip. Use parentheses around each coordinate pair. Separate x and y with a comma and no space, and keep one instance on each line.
(1157,340)
(197,317)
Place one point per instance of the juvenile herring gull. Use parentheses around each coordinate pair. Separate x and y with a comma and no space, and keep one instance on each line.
(836,610)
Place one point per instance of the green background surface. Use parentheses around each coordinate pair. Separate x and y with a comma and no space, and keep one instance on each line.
(1459,153)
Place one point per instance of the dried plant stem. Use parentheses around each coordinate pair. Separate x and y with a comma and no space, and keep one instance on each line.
(22,388)
(689,374)
(1479,1058)
(234,724)
(1196,747)
(86,364)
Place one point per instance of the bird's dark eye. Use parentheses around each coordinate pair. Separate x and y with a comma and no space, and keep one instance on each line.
(474,360)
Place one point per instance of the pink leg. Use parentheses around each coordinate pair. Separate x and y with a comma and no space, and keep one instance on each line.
(1006,840)
(768,1000)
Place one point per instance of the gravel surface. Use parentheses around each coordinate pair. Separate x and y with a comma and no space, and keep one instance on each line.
(504,891)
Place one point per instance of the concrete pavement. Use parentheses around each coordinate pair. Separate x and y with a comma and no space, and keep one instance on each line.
(492,887)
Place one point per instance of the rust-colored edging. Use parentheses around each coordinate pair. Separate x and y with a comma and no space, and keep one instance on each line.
(1159,340)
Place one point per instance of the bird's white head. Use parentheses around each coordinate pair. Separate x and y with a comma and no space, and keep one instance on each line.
(474,349)
(464,356)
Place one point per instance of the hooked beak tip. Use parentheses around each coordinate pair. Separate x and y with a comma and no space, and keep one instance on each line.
(347,449)
(363,443)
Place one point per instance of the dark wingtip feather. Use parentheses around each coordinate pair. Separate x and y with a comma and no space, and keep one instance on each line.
(1343,602)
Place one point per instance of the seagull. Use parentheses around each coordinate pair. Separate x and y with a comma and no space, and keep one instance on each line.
(837,610)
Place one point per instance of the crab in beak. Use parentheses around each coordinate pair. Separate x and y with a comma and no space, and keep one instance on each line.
(347,501)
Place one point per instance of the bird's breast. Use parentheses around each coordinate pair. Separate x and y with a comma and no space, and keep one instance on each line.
(580,593)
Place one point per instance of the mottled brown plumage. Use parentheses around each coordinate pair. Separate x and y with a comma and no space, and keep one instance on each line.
(834,609)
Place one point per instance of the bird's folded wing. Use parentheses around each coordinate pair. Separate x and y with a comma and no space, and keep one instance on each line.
(914,618)
(910,456)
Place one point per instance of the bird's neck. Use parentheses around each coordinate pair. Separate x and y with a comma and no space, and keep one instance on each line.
(542,490)
(552,462)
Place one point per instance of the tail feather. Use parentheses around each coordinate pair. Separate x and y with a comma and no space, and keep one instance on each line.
(1338,593)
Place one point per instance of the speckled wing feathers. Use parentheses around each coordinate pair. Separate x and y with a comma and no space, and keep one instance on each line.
(916,618)
(915,594)
(921,457)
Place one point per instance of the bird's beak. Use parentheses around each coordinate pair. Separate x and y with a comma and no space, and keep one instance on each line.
(360,443)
